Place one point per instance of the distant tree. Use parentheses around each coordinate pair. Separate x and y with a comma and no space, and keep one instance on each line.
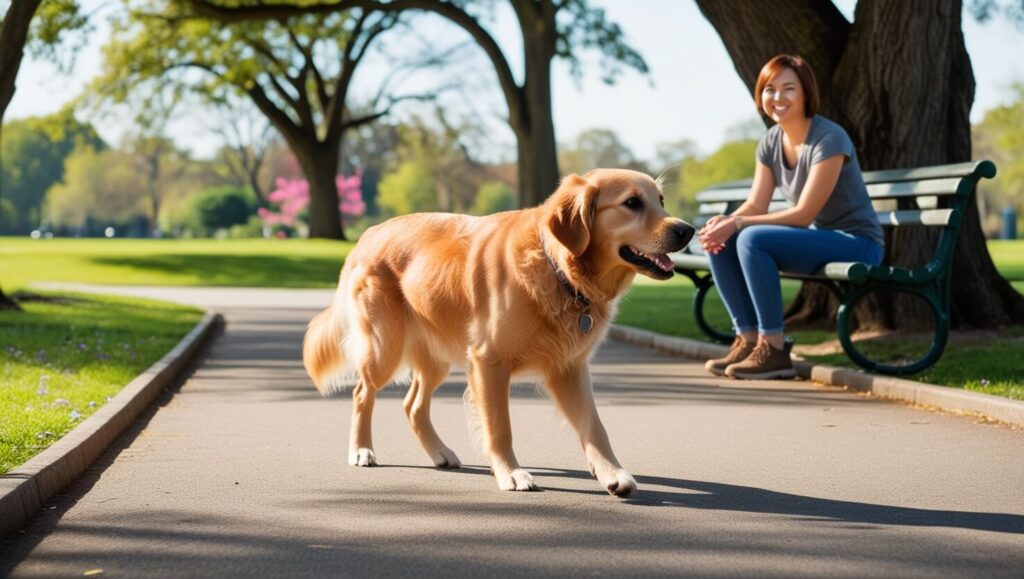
(51,27)
(98,187)
(298,72)
(247,137)
(999,136)
(221,208)
(549,29)
(733,160)
(597,148)
(32,156)
(493,197)
(410,189)
(439,148)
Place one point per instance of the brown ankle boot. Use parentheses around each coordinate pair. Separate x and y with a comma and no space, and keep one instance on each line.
(764,363)
(737,353)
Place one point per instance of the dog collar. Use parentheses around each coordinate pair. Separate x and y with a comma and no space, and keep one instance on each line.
(586,321)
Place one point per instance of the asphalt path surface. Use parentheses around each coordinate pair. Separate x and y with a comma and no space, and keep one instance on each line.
(241,472)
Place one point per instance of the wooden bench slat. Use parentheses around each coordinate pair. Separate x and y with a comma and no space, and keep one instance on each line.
(737,194)
(914,188)
(984,168)
(916,217)
(890,190)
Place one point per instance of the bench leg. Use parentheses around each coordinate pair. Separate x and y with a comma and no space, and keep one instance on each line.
(704,285)
(938,345)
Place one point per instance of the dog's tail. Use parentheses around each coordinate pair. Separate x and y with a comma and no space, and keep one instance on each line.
(322,352)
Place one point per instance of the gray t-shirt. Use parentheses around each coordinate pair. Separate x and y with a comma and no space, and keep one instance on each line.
(848,207)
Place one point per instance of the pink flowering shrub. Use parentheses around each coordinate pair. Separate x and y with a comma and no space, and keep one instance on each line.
(292,199)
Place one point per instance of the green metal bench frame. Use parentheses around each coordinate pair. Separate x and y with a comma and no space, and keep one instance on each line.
(946,189)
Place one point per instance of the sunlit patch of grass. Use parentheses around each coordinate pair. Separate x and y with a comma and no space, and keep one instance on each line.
(209,262)
(66,354)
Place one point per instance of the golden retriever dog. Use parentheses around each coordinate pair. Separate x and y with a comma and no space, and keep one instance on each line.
(528,291)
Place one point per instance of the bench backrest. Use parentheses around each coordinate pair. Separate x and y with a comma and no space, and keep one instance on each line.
(930,196)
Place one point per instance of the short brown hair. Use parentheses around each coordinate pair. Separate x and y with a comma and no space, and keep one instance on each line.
(803,71)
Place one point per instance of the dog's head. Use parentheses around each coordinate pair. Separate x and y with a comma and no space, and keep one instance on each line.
(618,217)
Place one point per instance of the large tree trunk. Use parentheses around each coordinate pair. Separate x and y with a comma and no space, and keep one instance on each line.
(530,113)
(320,164)
(13,35)
(899,79)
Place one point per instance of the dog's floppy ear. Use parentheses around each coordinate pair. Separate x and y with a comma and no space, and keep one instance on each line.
(571,212)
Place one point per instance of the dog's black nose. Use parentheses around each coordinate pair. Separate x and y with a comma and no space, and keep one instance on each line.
(683,233)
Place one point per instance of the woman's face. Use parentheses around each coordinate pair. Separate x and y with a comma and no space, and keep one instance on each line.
(783,97)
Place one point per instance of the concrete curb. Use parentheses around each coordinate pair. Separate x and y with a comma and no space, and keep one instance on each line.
(949,399)
(24,490)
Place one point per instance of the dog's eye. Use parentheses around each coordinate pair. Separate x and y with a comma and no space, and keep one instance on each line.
(634,203)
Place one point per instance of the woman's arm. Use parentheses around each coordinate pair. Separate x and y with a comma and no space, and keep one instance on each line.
(761,191)
(820,183)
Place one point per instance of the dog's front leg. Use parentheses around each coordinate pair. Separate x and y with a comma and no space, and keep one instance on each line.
(573,393)
(489,385)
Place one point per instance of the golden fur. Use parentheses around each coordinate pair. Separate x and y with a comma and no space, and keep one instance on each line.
(429,290)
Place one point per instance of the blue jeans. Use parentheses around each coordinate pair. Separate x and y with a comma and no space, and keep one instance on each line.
(747,270)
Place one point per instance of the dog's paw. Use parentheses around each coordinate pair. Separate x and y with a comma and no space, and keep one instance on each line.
(516,480)
(362,457)
(619,483)
(445,458)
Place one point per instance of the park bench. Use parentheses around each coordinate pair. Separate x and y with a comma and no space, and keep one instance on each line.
(934,196)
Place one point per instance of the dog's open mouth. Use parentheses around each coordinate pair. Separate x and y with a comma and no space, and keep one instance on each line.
(657,265)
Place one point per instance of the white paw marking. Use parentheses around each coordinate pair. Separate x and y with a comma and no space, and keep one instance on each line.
(444,458)
(516,480)
(362,457)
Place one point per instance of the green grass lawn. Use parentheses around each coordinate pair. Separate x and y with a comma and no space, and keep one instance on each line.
(243,262)
(1009,259)
(63,356)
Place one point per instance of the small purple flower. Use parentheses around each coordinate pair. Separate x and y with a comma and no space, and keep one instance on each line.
(103,356)
(41,355)
(92,404)
(82,347)
(75,415)
(61,402)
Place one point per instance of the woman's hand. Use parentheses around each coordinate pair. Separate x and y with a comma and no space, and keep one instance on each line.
(716,232)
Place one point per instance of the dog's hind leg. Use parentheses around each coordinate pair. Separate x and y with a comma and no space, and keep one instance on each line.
(377,351)
(573,393)
(427,376)
(360,445)
(489,385)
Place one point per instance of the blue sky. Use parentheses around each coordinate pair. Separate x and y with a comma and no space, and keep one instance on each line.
(693,91)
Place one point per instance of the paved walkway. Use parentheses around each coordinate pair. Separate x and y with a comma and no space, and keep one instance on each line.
(242,473)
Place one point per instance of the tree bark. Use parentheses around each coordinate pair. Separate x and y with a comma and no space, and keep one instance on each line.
(529,104)
(320,164)
(13,36)
(532,120)
(900,80)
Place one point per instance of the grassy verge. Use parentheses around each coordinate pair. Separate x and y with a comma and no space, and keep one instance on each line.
(66,354)
(245,262)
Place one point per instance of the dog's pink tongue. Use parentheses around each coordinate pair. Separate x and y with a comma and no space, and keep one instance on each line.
(663,261)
